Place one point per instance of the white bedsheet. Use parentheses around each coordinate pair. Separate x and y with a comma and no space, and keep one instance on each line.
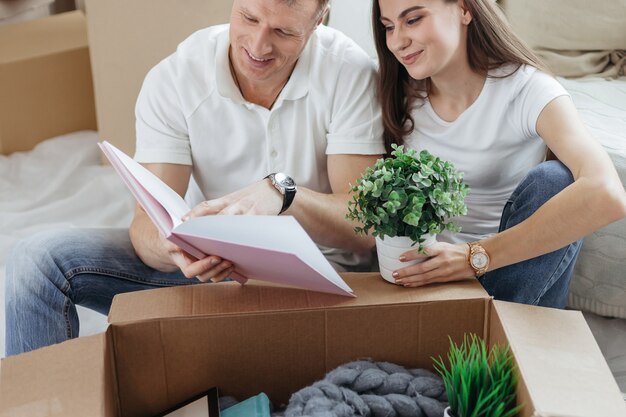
(59,184)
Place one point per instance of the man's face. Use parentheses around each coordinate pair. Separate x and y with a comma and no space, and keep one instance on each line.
(268,36)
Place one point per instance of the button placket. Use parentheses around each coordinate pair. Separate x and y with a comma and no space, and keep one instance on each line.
(272,140)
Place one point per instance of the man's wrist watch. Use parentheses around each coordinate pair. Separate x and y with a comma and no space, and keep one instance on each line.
(478,258)
(286,186)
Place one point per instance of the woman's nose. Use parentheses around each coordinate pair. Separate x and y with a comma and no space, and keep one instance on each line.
(398,41)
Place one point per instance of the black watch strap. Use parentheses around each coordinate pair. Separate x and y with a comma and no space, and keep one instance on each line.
(287,199)
(288,191)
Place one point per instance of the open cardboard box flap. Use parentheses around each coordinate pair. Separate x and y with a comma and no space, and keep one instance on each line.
(74,378)
(167,345)
(563,371)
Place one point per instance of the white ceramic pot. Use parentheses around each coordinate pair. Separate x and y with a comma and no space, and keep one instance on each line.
(389,250)
(446,412)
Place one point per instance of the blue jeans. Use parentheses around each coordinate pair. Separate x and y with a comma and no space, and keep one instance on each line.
(543,280)
(50,273)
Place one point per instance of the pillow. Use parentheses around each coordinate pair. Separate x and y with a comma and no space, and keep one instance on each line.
(599,280)
(574,37)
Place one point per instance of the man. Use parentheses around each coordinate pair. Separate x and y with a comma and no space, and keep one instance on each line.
(234,109)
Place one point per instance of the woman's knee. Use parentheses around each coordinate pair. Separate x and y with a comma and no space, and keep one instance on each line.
(550,177)
(541,184)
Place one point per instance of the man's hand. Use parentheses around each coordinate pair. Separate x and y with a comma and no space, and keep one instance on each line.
(260,198)
(159,253)
(173,258)
(212,268)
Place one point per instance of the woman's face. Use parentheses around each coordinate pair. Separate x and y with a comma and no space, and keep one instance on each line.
(428,37)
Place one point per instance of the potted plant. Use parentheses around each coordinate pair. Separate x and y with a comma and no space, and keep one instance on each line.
(479,382)
(404,200)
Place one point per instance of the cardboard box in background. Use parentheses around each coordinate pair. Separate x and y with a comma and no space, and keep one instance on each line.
(127,38)
(165,346)
(45,81)
(14,11)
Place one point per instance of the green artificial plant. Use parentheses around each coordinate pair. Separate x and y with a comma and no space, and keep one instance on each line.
(408,194)
(479,382)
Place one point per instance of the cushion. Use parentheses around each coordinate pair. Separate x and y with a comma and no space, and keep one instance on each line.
(576,37)
(599,281)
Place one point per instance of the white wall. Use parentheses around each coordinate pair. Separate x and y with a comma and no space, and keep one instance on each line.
(353,18)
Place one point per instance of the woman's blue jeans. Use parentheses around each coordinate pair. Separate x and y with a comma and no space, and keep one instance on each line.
(543,280)
(50,273)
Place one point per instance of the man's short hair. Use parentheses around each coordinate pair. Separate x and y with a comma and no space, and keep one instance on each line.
(322,5)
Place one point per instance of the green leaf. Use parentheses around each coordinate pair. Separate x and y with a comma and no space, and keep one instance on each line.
(407,194)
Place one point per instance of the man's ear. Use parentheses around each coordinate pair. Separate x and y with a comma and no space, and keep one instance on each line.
(323,17)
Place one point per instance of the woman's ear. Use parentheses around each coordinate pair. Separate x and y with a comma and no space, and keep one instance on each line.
(466,16)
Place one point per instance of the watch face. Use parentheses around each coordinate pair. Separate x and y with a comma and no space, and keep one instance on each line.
(284,180)
(479,260)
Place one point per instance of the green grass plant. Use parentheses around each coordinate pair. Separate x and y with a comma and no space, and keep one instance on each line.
(479,382)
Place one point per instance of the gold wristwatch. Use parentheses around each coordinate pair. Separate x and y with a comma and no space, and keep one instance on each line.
(478,258)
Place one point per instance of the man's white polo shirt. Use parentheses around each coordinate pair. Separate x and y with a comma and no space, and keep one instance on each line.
(191,112)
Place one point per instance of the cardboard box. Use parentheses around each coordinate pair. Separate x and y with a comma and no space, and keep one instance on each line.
(14,11)
(45,81)
(165,346)
(127,38)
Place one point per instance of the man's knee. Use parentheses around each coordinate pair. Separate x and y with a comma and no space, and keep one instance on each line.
(29,261)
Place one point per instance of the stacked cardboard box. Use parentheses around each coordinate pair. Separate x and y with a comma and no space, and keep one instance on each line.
(22,10)
(165,346)
(128,38)
(45,81)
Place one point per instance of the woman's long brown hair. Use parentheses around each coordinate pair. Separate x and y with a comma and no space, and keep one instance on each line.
(490,44)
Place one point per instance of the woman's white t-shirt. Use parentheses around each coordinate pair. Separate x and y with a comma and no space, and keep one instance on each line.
(494,143)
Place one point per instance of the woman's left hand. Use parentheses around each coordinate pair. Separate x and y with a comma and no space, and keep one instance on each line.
(446,262)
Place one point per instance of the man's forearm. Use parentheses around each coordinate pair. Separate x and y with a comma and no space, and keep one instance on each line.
(146,241)
(323,217)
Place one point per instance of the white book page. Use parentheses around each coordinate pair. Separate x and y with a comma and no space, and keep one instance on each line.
(279,233)
(173,203)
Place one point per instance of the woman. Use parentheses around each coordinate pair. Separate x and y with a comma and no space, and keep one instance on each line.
(455,80)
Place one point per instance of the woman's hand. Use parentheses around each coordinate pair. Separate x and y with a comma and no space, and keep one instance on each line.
(446,262)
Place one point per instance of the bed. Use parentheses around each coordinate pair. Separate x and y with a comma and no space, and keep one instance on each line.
(59,184)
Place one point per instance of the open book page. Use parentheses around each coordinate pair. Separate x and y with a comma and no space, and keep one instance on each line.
(270,248)
(164,207)
(148,189)
(260,244)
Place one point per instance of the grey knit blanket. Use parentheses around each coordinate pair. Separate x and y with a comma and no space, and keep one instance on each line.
(370,389)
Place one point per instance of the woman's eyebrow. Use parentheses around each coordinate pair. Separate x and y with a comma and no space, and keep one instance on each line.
(404,12)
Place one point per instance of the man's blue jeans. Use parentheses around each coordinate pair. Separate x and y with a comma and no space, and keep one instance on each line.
(52,272)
